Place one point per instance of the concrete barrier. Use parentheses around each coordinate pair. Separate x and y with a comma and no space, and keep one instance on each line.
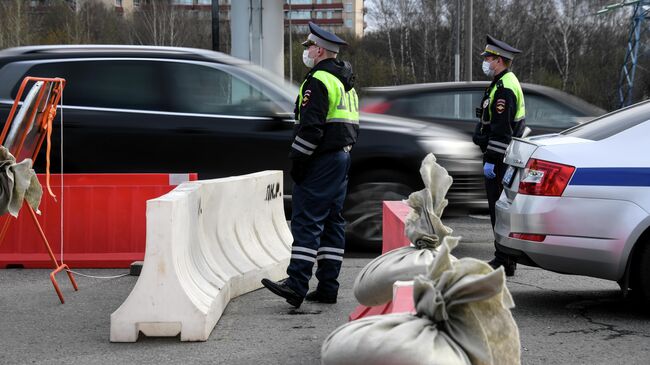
(207,242)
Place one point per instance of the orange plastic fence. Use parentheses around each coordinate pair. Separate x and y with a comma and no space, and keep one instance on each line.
(48,96)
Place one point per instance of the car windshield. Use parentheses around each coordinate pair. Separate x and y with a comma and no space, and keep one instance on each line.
(542,111)
(612,123)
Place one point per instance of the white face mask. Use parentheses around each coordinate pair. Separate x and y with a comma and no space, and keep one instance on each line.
(486,69)
(308,61)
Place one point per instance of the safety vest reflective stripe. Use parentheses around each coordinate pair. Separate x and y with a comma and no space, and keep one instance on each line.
(511,82)
(340,120)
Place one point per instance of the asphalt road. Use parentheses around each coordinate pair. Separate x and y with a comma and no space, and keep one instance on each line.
(562,319)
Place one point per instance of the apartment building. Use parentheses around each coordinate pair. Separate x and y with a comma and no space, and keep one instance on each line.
(340,16)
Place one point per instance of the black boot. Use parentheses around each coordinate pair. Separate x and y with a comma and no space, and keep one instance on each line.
(282,289)
(319,297)
(509,266)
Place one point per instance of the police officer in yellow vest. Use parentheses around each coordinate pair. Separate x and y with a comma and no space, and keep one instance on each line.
(501,114)
(327,124)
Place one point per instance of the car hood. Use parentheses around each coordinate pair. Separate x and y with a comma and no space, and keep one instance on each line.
(404,125)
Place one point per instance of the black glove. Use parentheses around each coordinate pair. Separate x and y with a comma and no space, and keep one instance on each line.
(298,171)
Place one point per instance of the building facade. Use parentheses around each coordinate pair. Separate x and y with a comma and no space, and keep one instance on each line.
(340,16)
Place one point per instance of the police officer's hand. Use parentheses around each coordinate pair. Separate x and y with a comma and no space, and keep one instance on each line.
(488,170)
(479,138)
(298,171)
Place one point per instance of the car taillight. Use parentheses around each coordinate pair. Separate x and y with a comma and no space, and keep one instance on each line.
(528,236)
(545,178)
(378,108)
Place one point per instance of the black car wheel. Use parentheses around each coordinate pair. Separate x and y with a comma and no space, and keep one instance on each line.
(363,207)
(641,279)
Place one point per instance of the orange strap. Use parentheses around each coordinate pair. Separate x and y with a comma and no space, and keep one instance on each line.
(48,126)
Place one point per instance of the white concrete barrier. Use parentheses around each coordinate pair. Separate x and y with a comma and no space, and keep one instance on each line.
(207,242)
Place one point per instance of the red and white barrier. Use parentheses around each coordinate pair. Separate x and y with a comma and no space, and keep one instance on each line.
(207,242)
(394,216)
(103,221)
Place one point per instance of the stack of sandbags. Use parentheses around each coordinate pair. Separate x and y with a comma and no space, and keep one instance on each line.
(423,226)
(463,317)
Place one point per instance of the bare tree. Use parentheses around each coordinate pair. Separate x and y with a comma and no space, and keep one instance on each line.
(383,12)
(406,15)
(160,23)
(15,25)
(426,26)
(561,40)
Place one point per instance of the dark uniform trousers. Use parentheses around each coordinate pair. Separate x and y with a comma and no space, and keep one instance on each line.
(317,225)
(494,187)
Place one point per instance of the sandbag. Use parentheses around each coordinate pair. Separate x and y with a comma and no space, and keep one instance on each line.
(374,283)
(18,182)
(462,317)
(423,226)
(424,220)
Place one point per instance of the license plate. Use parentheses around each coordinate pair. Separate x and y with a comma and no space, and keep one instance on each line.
(507,177)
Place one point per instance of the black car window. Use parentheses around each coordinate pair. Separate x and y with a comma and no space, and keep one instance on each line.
(208,90)
(455,104)
(121,84)
(612,123)
(544,112)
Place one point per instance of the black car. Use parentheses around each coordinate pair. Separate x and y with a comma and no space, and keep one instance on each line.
(452,104)
(175,110)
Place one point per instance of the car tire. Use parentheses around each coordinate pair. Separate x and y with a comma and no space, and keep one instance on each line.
(363,205)
(641,289)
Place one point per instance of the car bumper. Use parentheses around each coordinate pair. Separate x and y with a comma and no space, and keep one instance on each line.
(467,192)
(583,236)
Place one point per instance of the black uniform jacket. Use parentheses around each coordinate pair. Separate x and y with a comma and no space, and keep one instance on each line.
(494,134)
(312,136)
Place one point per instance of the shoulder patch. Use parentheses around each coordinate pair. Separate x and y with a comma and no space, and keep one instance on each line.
(500,105)
(305,97)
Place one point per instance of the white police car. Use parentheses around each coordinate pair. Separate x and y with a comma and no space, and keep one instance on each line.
(578,202)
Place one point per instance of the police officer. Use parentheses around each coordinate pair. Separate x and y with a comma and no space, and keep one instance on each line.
(501,114)
(327,124)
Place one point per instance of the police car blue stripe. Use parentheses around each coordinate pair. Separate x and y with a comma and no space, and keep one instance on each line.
(619,176)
